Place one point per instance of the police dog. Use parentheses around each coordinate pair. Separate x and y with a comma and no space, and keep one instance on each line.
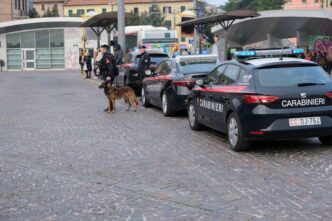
(113,93)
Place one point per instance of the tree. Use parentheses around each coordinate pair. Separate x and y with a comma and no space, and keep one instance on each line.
(254,5)
(154,18)
(269,5)
(51,13)
(33,13)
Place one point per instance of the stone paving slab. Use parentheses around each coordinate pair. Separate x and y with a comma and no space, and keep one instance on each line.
(63,158)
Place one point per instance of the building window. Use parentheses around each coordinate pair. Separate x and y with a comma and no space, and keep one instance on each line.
(55,6)
(42,7)
(90,10)
(168,24)
(304,1)
(70,12)
(15,4)
(136,11)
(183,39)
(80,12)
(167,10)
(28,39)
(183,8)
(150,9)
(104,10)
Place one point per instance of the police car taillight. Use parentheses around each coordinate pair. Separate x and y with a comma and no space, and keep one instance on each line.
(184,83)
(260,99)
(329,95)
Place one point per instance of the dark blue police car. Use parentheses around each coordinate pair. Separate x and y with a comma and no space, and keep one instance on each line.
(274,97)
(169,85)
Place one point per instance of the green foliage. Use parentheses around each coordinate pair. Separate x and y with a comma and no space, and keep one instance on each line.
(33,13)
(269,5)
(51,12)
(254,5)
(154,18)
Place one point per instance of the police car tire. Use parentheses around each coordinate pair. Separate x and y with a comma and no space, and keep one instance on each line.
(326,140)
(197,126)
(169,112)
(145,100)
(242,144)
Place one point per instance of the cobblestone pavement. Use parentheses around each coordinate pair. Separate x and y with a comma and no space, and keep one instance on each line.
(63,158)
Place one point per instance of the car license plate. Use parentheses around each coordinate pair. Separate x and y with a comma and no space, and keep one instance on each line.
(305,121)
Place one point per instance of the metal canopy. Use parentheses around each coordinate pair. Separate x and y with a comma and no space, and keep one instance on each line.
(225,19)
(104,21)
(279,23)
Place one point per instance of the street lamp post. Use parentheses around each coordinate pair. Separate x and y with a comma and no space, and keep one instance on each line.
(121,25)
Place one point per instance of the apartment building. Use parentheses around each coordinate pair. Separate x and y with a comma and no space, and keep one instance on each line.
(13,10)
(42,5)
(304,4)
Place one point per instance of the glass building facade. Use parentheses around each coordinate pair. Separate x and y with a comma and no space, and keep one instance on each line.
(40,49)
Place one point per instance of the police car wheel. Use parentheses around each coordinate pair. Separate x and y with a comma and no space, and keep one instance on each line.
(165,105)
(194,124)
(326,140)
(235,134)
(145,100)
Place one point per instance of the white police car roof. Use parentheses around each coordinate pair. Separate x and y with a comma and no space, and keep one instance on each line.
(276,60)
(200,56)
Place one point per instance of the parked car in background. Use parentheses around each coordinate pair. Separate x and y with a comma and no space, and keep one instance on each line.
(172,80)
(128,75)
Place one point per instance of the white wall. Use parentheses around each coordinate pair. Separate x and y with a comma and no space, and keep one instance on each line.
(73,42)
(3,51)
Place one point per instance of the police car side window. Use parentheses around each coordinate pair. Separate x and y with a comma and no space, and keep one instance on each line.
(231,75)
(160,67)
(214,76)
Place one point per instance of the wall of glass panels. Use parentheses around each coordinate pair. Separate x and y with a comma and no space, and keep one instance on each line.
(48,45)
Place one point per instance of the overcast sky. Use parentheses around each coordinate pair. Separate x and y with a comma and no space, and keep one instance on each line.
(217,2)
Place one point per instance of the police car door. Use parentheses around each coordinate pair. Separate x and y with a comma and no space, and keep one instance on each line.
(222,93)
(206,106)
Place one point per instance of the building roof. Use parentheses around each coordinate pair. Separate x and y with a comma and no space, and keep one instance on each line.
(108,2)
(279,23)
(39,23)
(48,1)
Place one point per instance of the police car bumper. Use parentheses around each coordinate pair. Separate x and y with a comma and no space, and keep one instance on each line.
(177,102)
(283,129)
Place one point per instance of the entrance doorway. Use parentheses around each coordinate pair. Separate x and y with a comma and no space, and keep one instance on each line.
(28,59)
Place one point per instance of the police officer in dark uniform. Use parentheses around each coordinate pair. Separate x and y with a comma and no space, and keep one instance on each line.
(107,65)
(144,62)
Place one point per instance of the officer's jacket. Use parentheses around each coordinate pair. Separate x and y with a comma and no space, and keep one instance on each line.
(144,62)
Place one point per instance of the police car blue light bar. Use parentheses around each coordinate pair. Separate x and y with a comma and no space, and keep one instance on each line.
(245,54)
(268,53)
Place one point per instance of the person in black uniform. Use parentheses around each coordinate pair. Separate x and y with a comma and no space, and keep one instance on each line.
(107,65)
(144,62)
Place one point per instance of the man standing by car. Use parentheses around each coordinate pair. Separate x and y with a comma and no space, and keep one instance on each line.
(144,63)
(108,67)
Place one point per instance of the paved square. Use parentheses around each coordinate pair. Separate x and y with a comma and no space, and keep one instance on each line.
(63,158)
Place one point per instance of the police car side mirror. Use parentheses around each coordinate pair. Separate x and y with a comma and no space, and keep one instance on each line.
(200,82)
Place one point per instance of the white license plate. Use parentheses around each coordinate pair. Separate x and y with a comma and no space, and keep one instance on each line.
(305,121)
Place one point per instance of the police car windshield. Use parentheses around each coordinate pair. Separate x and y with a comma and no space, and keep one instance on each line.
(197,66)
(300,76)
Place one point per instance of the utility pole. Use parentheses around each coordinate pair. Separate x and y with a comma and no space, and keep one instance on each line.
(121,25)
(196,38)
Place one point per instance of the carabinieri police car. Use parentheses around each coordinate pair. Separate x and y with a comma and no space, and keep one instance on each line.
(264,95)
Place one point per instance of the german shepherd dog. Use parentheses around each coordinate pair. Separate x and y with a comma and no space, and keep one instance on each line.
(113,93)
